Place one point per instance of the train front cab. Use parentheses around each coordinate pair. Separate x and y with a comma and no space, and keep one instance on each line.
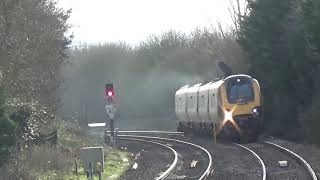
(241,105)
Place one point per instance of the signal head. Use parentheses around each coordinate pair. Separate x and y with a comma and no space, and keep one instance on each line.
(109,90)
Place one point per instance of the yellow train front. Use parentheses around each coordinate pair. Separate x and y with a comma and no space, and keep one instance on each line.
(230,107)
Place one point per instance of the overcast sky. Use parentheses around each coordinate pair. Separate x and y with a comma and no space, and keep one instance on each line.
(132,21)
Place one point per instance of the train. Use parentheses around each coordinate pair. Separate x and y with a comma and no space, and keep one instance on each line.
(226,107)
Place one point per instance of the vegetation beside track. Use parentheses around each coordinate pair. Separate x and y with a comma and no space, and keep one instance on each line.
(116,163)
(282,41)
(57,161)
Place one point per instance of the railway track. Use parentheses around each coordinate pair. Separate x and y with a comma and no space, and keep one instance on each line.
(172,133)
(187,153)
(266,153)
(263,166)
(166,172)
(269,154)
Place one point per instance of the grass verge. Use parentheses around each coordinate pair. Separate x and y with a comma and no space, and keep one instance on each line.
(56,161)
(116,163)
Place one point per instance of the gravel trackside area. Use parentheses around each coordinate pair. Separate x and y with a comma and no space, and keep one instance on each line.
(310,153)
(152,159)
(271,156)
(230,162)
(186,154)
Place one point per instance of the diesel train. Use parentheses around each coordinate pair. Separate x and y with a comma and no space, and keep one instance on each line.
(230,107)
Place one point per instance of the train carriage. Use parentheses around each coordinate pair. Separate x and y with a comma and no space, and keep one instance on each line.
(203,108)
(181,107)
(233,105)
(192,106)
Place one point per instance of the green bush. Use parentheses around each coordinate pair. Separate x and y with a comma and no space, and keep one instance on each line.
(310,122)
(7,129)
(281,39)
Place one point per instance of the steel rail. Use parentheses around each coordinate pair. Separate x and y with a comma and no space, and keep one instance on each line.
(173,164)
(151,132)
(207,171)
(297,157)
(264,171)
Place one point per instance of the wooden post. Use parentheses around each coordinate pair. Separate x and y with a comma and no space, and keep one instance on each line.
(76,164)
(88,174)
(90,170)
(99,167)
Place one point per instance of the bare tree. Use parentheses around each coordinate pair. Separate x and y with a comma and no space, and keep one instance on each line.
(32,48)
(237,10)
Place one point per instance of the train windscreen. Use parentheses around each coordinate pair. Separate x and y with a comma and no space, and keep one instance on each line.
(240,90)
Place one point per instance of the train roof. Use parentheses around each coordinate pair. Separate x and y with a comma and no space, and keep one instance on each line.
(182,89)
(238,75)
(213,82)
(185,86)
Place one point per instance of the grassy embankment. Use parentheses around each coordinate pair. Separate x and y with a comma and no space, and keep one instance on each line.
(71,139)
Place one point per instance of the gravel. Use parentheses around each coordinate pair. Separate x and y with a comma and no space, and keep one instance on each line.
(186,154)
(272,156)
(153,159)
(230,162)
(310,153)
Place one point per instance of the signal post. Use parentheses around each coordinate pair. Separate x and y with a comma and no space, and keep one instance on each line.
(110,108)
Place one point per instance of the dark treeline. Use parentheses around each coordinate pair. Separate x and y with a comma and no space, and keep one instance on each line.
(147,76)
(282,41)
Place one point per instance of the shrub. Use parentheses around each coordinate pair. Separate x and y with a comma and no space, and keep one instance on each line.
(310,122)
(7,129)
(39,162)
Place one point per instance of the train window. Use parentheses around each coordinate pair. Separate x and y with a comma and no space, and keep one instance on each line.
(190,97)
(213,94)
(239,90)
(202,96)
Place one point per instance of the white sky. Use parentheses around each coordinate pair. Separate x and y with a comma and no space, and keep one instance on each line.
(132,21)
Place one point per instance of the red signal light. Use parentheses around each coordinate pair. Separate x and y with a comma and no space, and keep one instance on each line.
(110,93)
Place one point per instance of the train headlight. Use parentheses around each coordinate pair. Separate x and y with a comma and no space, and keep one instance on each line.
(255,111)
(228,115)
